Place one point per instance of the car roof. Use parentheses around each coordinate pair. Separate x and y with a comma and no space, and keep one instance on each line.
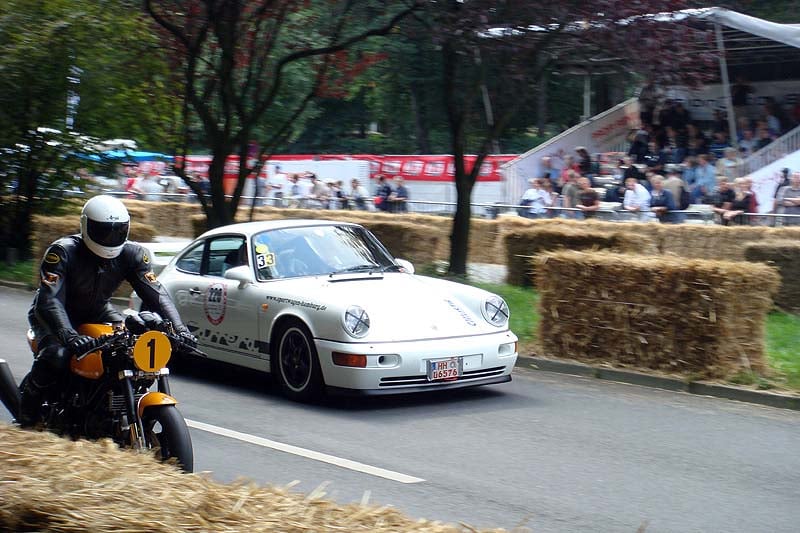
(251,228)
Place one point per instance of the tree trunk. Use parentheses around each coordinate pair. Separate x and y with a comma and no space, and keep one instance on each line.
(218,213)
(459,235)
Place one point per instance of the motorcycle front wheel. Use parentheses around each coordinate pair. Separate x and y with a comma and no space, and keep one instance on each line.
(166,430)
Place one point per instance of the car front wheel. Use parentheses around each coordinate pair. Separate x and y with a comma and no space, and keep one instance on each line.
(297,365)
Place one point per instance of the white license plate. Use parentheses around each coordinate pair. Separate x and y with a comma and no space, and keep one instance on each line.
(445,369)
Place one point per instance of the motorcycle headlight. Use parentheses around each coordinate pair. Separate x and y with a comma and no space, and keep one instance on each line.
(356,321)
(495,311)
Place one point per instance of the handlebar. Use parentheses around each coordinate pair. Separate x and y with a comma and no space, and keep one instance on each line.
(104,341)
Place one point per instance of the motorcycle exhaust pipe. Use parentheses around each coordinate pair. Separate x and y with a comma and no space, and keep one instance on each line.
(9,392)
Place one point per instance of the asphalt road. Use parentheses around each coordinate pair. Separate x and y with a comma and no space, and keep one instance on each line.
(549,452)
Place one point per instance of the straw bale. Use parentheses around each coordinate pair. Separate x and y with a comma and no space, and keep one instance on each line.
(171,218)
(785,256)
(523,245)
(699,317)
(48,229)
(53,484)
(719,242)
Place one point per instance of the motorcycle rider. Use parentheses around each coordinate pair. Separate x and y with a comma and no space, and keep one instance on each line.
(79,274)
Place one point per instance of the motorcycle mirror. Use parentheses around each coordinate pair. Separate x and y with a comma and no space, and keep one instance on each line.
(135,324)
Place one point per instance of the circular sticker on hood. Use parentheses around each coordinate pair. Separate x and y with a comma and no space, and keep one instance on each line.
(215,302)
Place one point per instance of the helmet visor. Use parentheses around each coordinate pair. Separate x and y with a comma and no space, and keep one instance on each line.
(107,233)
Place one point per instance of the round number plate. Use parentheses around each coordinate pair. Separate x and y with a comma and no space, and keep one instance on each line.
(152,351)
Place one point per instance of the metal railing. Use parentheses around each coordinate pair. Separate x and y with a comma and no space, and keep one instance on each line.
(780,147)
(609,213)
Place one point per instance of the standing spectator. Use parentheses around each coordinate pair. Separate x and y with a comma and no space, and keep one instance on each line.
(383,191)
(655,159)
(648,100)
(358,195)
(536,199)
(696,142)
(588,199)
(788,200)
(584,161)
(705,179)
(662,201)
(674,146)
(639,141)
(729,165)
(679,190)
(320,193)
(148,188)
(723,199)
(776,120)
(569,192)
(744,201)
(740,91)
(400,196)
(637,200)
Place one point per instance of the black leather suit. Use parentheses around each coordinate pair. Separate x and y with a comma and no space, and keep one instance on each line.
(76,286)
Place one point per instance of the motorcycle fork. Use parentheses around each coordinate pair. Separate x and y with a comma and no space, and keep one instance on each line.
(136,424)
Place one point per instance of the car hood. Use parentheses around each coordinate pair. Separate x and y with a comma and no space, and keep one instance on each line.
(401,307)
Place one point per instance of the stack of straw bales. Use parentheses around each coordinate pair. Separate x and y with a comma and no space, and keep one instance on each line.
(53,484)
(785,255)
(655,312)
(718,242)
(524,245)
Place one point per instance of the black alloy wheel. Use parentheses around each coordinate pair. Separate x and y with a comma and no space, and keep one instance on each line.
(298,364)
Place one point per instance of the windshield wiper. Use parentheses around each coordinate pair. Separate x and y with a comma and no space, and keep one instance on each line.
(357,268)
(392,268)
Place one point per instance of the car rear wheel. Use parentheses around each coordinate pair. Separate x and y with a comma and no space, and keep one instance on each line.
(297,364)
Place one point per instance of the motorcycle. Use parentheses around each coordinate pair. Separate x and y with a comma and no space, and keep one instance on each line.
(106,393)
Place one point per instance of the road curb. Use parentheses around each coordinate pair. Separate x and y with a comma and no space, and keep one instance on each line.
(771,399)
(15,285)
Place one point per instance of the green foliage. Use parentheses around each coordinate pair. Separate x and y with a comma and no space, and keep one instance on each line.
(20,272)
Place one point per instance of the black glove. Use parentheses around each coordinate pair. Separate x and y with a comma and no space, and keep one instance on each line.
(79,344)
(187,339)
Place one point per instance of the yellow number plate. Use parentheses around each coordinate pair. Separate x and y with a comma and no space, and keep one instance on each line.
(152,351)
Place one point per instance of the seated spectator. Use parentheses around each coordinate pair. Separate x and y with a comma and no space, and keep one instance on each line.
(788,200)
(637,200)
(764,139)
(722,199)
(705,179)
(654,158)
(729,165)
(555,199)
(639,140)
(773,114)
(747,146)
(588,199)
(661,200)
(550,172)
(674,147)
(536,199)
(719,144)
(696,142)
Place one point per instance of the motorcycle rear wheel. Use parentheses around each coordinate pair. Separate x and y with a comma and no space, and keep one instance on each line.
(172,437)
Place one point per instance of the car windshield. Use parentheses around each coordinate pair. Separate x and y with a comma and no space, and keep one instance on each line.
(317,250)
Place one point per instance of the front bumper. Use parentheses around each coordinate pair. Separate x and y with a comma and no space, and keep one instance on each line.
(400,367)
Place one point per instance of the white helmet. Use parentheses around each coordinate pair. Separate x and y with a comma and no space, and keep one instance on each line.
(104,226)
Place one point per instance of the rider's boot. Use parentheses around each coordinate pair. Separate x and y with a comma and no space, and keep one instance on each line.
(33,390)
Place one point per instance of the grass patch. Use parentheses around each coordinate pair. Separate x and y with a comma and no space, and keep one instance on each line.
(783,347)
(21,271)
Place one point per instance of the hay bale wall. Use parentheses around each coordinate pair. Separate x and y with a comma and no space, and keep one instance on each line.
(704,241)
(697,317)
(524,245)
(785,256)
(53,484)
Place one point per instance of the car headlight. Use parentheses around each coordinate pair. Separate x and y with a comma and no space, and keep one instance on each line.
(495,311)
(356,321)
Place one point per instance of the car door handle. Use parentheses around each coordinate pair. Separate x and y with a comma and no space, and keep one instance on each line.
(195,291)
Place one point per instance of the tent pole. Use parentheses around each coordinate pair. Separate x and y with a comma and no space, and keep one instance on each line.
(726,87)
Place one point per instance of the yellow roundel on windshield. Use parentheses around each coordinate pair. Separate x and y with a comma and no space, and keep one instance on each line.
(152,351)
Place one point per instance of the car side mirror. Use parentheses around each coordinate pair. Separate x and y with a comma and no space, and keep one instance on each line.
(405,265)
(242,274)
